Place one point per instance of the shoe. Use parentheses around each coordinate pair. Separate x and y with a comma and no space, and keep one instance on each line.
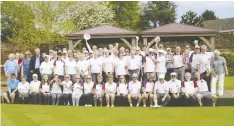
(86,105)
(213,105)
(156,106)
(89,105)
(144,105)
(137,105)
(130,105)
(108,106)
(151,105)
(112,106)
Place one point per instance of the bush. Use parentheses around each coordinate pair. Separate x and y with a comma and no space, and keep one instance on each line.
(230,63)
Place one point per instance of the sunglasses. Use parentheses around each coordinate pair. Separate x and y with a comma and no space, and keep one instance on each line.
(173,76)
(13,77)
(77,78)
(66,77)
(88,78)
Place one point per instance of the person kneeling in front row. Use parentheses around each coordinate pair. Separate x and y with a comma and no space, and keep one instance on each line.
(203,90)
(161,92)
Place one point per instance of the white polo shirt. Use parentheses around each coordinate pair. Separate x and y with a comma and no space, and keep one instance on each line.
(139,58)
(161,87)
(95,65)
(120,67)
(23,87)
(108,63)
(59,67)
(67,87)
(195,60)
(35,86)
(77,89)
(149,64)
(178,61)
(134,88)
(56,88)
(204,61)
(189,86)
(110,88)
(46,68)
(149,87)
(99,88)
(45,88)
(88,87)
(133,63)
(70,66)
(83,66)
(174,85)
(161,65)
(202,85)
(123,88)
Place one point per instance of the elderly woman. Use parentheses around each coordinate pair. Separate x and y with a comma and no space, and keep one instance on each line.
(88,91)
(67,90)
(46,67)
(56,90)
(59,67)
(95,67)
(12,89)
(110,91)
(219,70)
(35,90)
(108,65)
(120,67)
(10,66)
(23,89)
(25,66)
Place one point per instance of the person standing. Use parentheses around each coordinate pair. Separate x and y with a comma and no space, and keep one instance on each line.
(59,67)
(35,63)
(194,61)
(26,66)
(10,66)
(133,65)
(150,63)
(95,67)
(108,65)
(134,88)
(120,67)
(169,64)
(178,62)
(70,67)
(161,63)
(83,67)
(219,70)
(46,68)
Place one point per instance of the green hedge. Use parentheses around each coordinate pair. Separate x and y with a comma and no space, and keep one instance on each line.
(230,63)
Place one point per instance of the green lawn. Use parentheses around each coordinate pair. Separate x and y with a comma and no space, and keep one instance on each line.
(229,83)
(36,115)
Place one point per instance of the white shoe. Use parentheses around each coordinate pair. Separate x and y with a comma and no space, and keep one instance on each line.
(130,105)
(112,106)
(213,105)
(156,106)
(144,105)
(137,105)
(151,105)
(108,106)
(89,105)
(86,105)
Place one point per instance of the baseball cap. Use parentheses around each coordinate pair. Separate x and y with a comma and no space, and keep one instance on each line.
(64,51)
(134,75)
(161,77)
(173,73)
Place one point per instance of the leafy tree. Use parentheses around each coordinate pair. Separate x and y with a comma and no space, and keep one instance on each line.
(127,13)
(160,12)
(208,15)
(190,18)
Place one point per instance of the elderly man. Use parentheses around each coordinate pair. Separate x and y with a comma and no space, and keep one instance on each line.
(194,60)
(178,63)
(134,88)
(161,92)
(169,64)
(35,90)
(189,89)
(174,86)
(133,65)
(35,63)
(203,90)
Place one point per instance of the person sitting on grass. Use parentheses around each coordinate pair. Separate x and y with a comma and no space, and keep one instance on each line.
(148,91)
(110,90)
(189,88)
(161,92)
(134,88)
(35,90)
(45,89)
(77,91)
(98,90)
(12,89)
(122,89)
(56,90)
(203,90)
(23,89)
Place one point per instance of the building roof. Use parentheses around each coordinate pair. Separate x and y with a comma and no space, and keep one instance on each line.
(175,28)
(219,24)
(105,30)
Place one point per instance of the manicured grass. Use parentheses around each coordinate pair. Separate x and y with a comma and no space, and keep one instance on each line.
(229,83)
(37,115)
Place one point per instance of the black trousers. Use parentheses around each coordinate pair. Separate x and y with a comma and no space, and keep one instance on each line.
(66,98)
(88,98)
(206,78)
(35,98)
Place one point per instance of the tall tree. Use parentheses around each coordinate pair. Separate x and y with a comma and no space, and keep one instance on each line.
(208,15)
(190,18)
(160,12)
(127,13)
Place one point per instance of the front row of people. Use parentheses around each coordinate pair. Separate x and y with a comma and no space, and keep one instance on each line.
(158,93)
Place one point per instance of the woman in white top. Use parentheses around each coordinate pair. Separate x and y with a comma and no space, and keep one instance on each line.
(122,90)
(98,91)
(120,67)
(23,89)
(83,67)
(108,65)
(110,90)
(45,90)
(148,91)
(71,68)
(77,91)
(88,91)
(95,67)
(59,66)
(46,67)
(55,90)
(67,90)
(35,90)
(161,64)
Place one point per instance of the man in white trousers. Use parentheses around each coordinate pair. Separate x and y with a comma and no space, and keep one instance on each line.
(219,70)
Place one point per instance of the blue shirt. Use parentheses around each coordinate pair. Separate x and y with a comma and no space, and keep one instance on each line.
(13,85)
(11,66)
(26,63)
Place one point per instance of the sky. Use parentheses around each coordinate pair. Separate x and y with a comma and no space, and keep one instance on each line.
(223,9)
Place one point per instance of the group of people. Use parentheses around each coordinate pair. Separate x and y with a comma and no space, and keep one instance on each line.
(156,75)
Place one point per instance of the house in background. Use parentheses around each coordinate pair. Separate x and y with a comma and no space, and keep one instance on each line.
(220,25)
